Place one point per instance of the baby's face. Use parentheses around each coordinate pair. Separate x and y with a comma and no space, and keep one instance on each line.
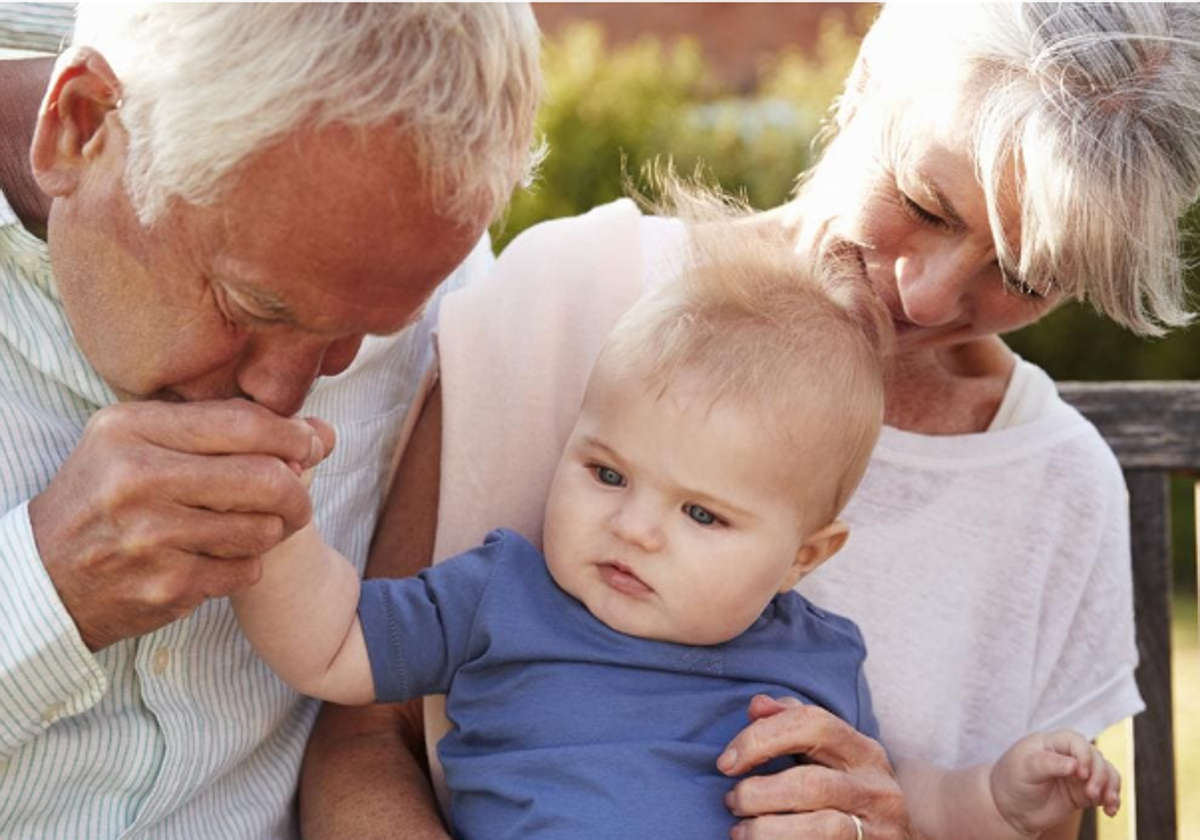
(670,519)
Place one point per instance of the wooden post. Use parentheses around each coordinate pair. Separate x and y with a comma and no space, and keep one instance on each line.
(1153,730)
(1154,429)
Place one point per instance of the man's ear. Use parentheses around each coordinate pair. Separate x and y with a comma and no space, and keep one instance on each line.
(819,547)
(70,126)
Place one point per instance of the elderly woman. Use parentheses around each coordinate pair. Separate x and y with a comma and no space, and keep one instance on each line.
(984,166)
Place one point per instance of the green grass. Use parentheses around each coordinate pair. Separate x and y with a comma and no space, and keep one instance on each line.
(1185,673)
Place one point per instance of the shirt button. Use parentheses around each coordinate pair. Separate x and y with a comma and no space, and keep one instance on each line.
(161,660)
(52,712)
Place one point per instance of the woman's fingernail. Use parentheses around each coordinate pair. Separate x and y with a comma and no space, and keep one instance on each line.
(737,832)
(727,760)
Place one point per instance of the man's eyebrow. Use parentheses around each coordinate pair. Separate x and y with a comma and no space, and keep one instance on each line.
(944,207)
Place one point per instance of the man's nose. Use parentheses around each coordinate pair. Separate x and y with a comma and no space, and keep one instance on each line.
(933,285)
(280,369)
(638,523)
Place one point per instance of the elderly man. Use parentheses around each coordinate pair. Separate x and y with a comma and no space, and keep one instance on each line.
(225,203)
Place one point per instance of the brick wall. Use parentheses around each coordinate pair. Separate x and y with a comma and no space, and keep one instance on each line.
(736,37)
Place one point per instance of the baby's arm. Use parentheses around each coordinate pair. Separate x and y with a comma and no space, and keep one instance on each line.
(302,618)
(1039,783)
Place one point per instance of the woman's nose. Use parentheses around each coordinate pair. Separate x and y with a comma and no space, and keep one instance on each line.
(933,286)
(637,524)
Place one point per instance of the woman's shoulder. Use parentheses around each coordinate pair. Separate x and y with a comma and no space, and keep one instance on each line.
(589,234)
(1034,407)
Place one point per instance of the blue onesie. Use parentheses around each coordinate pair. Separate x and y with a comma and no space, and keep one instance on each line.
(567,729)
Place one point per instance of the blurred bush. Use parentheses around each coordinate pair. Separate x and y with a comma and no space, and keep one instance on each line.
(609,111)
(612,110)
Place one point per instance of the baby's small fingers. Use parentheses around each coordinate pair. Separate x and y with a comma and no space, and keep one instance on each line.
(1067,742)
(1102,781)
(1112,803)
(1111,792)
(1091,762)
(1053,765)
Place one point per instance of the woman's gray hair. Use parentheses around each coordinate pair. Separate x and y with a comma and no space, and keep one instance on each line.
(206,86)
(1090,113)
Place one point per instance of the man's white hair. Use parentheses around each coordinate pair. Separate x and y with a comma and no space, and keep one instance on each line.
(1089,112)
(206,86)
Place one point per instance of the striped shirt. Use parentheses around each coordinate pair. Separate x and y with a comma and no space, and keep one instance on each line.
(181,733)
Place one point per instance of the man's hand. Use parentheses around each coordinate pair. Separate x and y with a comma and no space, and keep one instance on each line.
(847,773)
(162,506)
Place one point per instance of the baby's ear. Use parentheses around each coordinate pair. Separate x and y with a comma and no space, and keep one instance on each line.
(819,547)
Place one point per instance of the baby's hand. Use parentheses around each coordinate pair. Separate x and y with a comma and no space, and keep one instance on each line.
(1044,778)
(327,437)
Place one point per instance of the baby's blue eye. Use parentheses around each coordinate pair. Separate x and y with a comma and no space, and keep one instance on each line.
(609,476)
(700,515)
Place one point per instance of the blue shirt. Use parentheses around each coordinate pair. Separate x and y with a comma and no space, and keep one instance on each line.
(566,728)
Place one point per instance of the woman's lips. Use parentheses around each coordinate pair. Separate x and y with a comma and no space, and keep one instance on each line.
(622,579)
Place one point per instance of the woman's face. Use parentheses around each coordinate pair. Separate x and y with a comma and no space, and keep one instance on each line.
(918,224)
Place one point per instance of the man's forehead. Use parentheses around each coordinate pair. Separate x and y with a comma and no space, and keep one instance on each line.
(334,233)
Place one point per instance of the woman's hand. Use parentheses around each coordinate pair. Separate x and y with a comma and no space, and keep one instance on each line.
(847,774)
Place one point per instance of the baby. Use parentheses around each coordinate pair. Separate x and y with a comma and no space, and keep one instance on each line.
(726,423)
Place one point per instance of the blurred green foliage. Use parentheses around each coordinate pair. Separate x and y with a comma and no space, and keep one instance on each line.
(610,111)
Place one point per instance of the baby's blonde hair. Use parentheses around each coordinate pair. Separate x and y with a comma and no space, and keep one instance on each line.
(760,326)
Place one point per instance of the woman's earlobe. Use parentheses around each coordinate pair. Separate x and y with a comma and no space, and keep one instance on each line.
(70,128)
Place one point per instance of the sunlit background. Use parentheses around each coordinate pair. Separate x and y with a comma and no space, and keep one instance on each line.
(743,87)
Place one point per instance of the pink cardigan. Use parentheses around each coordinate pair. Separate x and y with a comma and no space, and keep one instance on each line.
(515,353)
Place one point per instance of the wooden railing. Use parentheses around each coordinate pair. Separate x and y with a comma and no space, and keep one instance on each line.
(1154,429)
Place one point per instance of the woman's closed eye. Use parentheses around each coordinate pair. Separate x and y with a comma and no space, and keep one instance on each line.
(1020,287)
(919,213)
